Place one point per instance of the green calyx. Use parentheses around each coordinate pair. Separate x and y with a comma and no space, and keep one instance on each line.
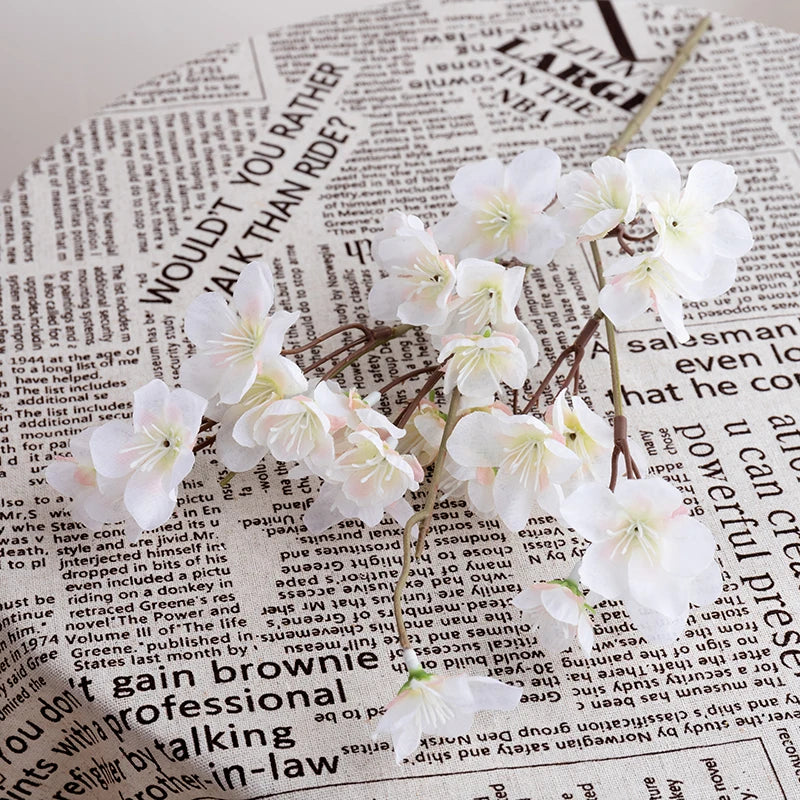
(571,585)
(574,588)
(415,675)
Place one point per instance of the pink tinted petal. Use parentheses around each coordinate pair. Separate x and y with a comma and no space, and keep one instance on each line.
(184,462)
(455,231)
(149,402)
(653,587)
(514,502)
(670,309)
(649,496)
(706,587)
(147,501)
(236,457)
(603,572)
(385,297)
(562,604)
(530,600)
(623,302)
(472,181)
(272,341)
(201,375)
(601,223)
(186,408)
(254,292)
(592,510)
(687,547)
(107,444)
(238,377)
(489,694)
(655,627)
(732,235)
(585,634)
(544,237)
(475,441)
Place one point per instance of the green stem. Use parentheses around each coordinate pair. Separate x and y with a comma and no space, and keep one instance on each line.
(421,518)
(660,89)
(438,469)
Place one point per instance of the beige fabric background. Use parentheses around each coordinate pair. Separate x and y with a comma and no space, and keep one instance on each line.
(62,61)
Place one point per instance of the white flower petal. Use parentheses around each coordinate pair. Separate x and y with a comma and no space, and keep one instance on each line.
(533,176)
(710,182)
(254,292)
(472,181)
(654,173)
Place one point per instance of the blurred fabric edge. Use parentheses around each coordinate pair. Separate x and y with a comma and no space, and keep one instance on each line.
(64,62)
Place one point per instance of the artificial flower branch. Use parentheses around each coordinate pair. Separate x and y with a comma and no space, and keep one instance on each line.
(459,283)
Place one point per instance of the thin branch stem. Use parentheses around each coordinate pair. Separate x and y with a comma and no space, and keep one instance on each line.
(621,446)
(379,337)
(659,90)
(203,443)
(338,351)
(632,238)
(438,469)
(325,336)
(406,414)
(408,376)
(577,348)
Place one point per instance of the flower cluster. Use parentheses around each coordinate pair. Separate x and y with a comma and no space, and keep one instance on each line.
(695,244)
(462,284)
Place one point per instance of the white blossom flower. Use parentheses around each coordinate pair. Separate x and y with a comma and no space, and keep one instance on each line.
(153,454)
(277,379)
(640,282)
(478,364)
(487,294)
(559,614)
(692,235)
(645,550)
(424,432)
(528,459)
(438,705)
(585,433)
(421,279)
(595,204)
(234,341)
(348,411)
(96,501)
(367,480)
(500,209)
(294,429)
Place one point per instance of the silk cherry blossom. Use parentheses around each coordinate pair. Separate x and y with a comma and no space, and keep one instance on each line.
(644,546)
(559,614)
(596,203)
(500,209)
(420,281)
(151,454)
(647,280)
(692,234)
(487,294)
(479,364)
(234,341)
(96,501)
(277,379)
(439,705)
(528,460)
